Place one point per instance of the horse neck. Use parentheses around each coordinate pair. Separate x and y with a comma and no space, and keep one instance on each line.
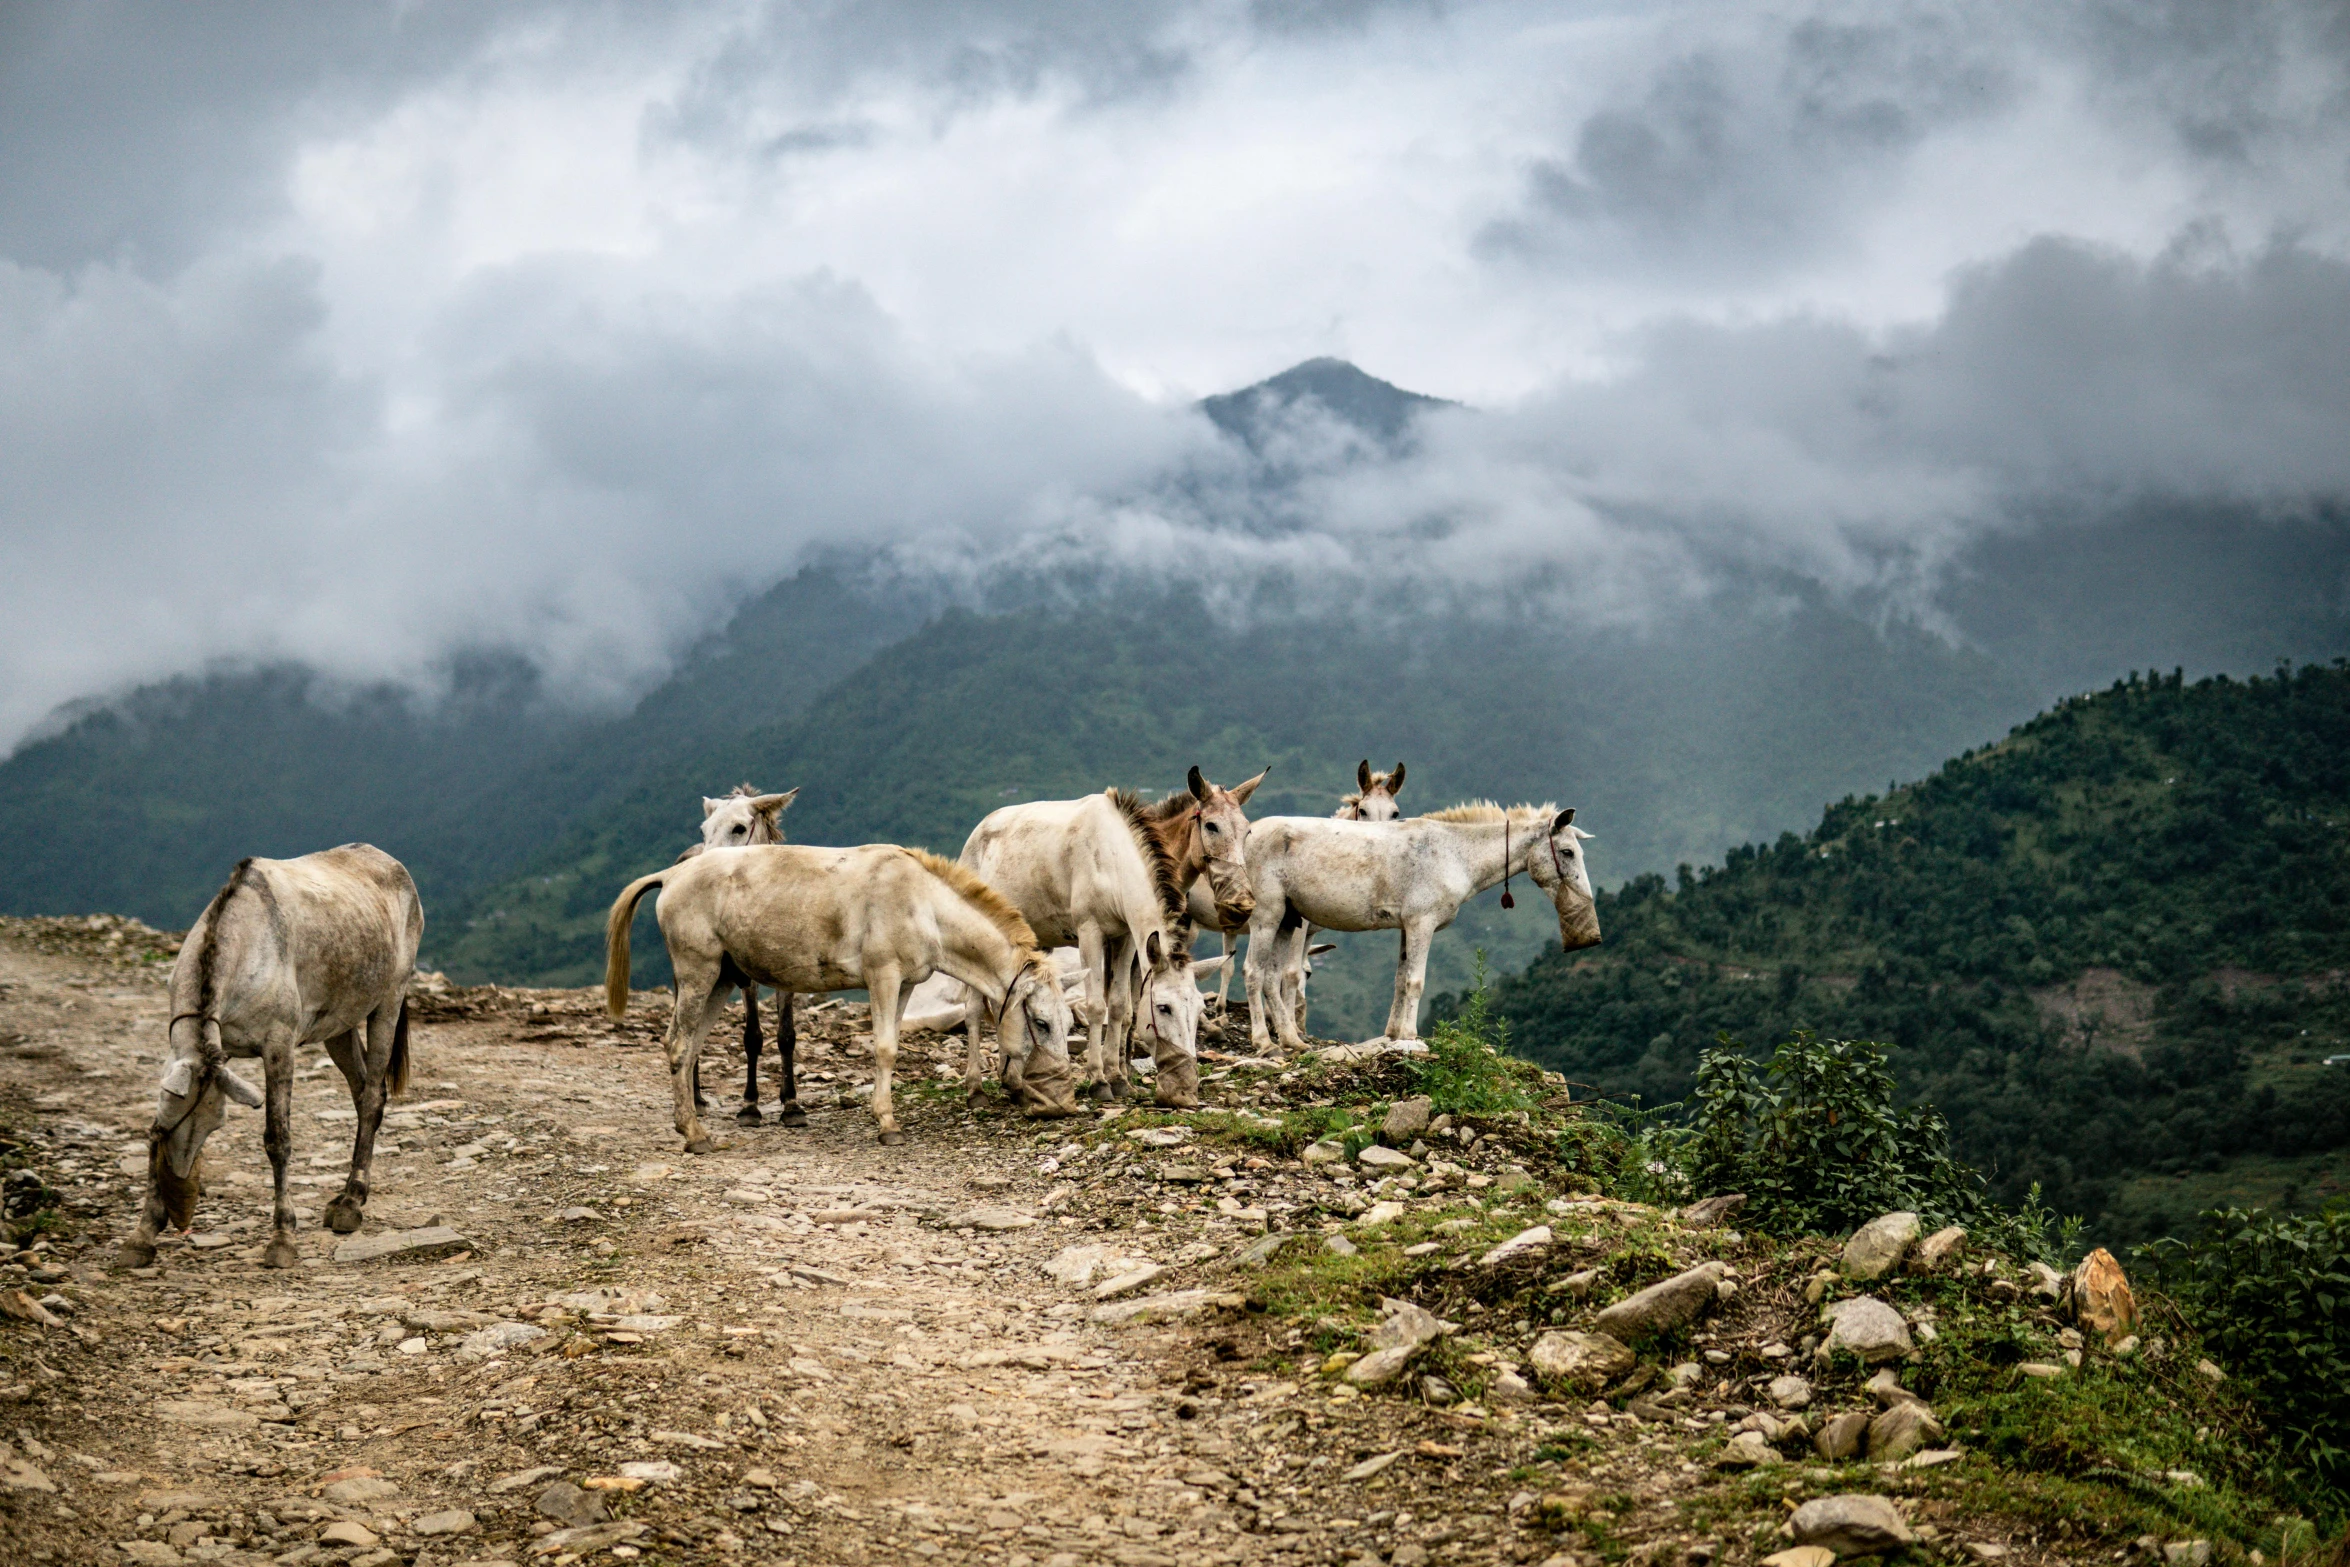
(1492,854)
(1186,843)
(974,948)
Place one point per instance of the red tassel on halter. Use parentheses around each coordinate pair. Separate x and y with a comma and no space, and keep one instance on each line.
(1507,901)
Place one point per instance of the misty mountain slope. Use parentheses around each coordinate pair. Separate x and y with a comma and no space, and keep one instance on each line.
(1668,746)
(141,806)
(1377,408)
(2112,945)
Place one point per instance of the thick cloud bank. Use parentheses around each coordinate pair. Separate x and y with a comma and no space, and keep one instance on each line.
(560,331)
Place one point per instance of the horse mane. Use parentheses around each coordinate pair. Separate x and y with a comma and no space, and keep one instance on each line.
(976,892)
(743,791)
(1486,811)
(1171,807)
(1157,858)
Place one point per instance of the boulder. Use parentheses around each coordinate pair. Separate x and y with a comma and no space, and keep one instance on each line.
(1713,1211)
(1850,1525)
(1866,1327)
(1839,1441)
(1901,1430)
(1406,1323)
(1878,1247)
(1790,1392)
(1407,1118)
(2047,1284)
(1518,1245)
(1382,1366)
(1662,1308)
(1747,1450)
(2102,1302)
(455,1520)
(1374,1157)
(570,1506)
(360,1490)
(1323,1152)
(1580,1359)
(1510,1388)
(1940,1250)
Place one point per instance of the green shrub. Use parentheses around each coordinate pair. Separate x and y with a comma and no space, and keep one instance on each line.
(1812,1138)
(2270,1295)
(1468,1070)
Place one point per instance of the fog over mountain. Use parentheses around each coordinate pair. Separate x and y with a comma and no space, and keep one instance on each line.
(437,332)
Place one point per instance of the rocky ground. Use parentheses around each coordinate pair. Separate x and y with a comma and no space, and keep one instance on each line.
(1311,1323)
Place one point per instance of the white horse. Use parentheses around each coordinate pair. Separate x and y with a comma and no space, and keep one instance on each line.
(812,920)
(1096,873)
(317,950)
(739,820)
(1411,875)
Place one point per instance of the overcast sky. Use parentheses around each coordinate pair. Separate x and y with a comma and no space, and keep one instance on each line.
(365,334)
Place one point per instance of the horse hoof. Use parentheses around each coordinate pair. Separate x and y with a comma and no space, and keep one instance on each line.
(133,1255)
(791,1115)
(342,1217)
(892,1139)
(748,1115)
(702,1145)
(1119,1090)
(282,1253)
(1100,1093)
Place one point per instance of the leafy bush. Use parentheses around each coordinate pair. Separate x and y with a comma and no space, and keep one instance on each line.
(1813,1139)
(1468,1070)
(2271,1296)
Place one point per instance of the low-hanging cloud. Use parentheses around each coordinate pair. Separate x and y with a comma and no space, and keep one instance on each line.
(564,331)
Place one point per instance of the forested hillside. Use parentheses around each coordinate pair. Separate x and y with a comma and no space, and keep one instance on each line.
(1654,739)
(2113,949)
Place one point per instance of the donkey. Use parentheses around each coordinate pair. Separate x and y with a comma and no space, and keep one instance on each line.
(1097,874)
(1411,875)
(809,920)
(738,820)
(288,953)
(1373,801)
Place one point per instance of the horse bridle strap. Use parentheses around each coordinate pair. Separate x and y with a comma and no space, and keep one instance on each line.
(1558,862)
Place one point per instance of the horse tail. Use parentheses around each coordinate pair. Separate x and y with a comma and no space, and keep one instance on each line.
(616,943)
(208,1046)
(399,1065)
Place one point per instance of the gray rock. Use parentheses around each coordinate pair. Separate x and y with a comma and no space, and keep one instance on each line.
(1790,1392)
(1339,1246)
(455,1520)
(1260,1252)
(1713,1211)
(1940,1251)
(992,1219)
(1162,1308)
(1510,1388)
(1407,1118)
(521,1478)
(1839,1440)
(1134,1281)
(430,1241)
(1885,1387)
(1435,1390)
(1382,1366)
(2047,1284)
(1374,1157)
(1901,1430)
(2186,1553)
(1521,1244)
(1748,1450)
(1662,1308)
(1580,1359)
(1404,1324)
(1850,1525)
(149,1553)
(1866,1327)
(360,1491)
(1878,1247)
(497,1339)
(1324,1152)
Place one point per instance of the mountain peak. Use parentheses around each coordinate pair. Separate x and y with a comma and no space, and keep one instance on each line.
(1375,407)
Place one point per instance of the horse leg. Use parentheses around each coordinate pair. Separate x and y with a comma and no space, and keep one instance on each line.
(889,1002)
(974,1068)
(277,1138)
(1089,952)
(363,1067)
(1118,1032)
(1411,977)
(787,1042)
(1224,975)
(698,989)
(1289,957)
(748,1115)
(1263,937)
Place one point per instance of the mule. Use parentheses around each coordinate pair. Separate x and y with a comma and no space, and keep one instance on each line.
(317,950)
(806,920)
(1410,876)
(739,820)
(1098,874)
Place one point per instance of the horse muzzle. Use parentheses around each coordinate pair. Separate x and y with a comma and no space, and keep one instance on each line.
(1578,928)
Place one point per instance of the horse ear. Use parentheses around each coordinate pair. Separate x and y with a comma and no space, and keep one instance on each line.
(770,804)
(1199,786)
(1241,791)
(1154,944)
(1320,947)
(709,805)
(1586,836)
(1395,781)
(1563,819)
(1363,775)
(237,1088)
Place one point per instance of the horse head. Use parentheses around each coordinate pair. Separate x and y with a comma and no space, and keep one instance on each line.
(1219,829)
(1374,799)
(744,817)
(1556,863)
(1168,1014)
(191,1106)
(1038,1009)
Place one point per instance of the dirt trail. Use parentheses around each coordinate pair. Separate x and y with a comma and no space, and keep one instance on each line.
(817,1348)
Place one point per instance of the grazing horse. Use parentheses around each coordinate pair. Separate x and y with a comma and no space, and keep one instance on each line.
(737,821)
(1096,873)
(1373,801)
(1411,875)
(809,920)
(317,950)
